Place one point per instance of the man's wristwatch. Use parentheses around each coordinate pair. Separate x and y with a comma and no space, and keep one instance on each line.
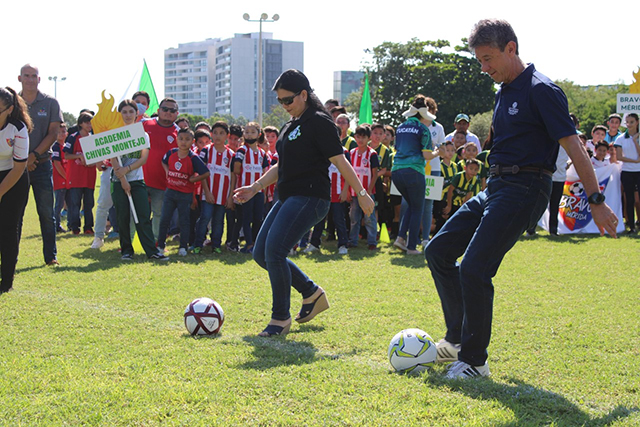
(362,193)
(596,199)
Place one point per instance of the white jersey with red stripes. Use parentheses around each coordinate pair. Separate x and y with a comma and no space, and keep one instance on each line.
(337,180)
(362,165)
(253,162)
(272,157)
(219,165)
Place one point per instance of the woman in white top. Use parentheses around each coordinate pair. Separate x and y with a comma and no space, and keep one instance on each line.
(15,125)
(628,152)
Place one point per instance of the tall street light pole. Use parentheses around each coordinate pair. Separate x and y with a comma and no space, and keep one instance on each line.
(263,18)
(55,84)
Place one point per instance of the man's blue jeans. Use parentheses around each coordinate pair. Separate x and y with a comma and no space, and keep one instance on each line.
(42,183)
(483,230)
(411,185)
(284,226)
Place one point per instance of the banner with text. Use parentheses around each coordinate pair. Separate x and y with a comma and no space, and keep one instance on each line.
(628,103)
(433,190)
(574,215)
(113,143)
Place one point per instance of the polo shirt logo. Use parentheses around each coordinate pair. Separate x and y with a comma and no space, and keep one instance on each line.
(295,133)
(42,112)
(10,142)
(514,109)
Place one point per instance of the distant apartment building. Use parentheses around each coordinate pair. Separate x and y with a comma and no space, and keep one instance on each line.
(221,76)
(346,82)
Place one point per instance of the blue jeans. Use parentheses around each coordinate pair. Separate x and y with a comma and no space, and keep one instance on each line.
(427,217)
(156,197)
(60,197)
(252,217)
(78,196)
(41,180)
(281,230)
(215,214)
(483,230)
(411,184)
(182,202)
(370,224)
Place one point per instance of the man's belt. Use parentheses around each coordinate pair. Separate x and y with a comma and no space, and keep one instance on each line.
(497,170)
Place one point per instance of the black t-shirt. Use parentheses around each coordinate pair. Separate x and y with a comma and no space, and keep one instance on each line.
(304,148)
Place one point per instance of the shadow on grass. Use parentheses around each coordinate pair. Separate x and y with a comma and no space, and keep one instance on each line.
(531,405)
(278,351)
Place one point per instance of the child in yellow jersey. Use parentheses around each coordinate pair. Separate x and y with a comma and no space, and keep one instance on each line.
(448,169)
(464,186)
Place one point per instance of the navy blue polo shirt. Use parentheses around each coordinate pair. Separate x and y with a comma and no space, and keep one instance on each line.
(531,114)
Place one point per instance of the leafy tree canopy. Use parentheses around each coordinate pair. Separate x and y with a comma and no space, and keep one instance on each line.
(399,71)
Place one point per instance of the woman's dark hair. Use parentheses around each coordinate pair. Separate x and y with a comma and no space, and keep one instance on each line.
(84,118)
(295,81)
(635,116)
(128,102)
(419,101)
(20,112)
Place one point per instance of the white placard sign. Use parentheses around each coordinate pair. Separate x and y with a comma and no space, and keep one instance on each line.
(628,103)
(113,143)
(433,190)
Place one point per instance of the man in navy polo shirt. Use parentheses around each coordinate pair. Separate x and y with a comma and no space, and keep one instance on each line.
(531,117)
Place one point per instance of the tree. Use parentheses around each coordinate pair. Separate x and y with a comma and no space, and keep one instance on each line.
(69,119)
(591,104)
(480,125)
(400,71)
(277,117)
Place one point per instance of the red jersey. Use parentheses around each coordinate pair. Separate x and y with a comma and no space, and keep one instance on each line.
(57,155)
(337,180)
(362,164)
(161,140)
(219,166)
(253,164)
(272,157)
(181,169)
(78,175)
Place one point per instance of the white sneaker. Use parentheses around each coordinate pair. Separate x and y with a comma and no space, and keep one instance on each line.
(424,243)
(400,243)
(342,250)
(182,252)
(462,370)
(447,352)
(97,243)
(310,249)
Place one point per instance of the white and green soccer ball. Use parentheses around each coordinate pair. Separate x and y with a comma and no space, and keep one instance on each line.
(412,351)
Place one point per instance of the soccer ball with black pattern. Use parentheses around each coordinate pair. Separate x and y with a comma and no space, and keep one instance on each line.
(203,316)
(576,189)
(412,351)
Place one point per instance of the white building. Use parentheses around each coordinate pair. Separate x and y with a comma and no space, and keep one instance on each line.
(221,76)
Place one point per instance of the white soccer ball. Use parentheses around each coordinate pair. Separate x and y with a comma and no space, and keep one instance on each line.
(576,189)
(203,316)
(412,351)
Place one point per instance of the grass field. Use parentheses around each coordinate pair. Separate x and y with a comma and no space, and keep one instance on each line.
(99,342)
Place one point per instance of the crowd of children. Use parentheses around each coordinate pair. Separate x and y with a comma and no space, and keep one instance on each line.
(203,167)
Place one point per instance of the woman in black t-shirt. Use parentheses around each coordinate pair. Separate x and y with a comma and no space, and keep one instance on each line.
(306,145)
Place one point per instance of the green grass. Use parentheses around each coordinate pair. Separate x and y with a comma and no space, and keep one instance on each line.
(99,342)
